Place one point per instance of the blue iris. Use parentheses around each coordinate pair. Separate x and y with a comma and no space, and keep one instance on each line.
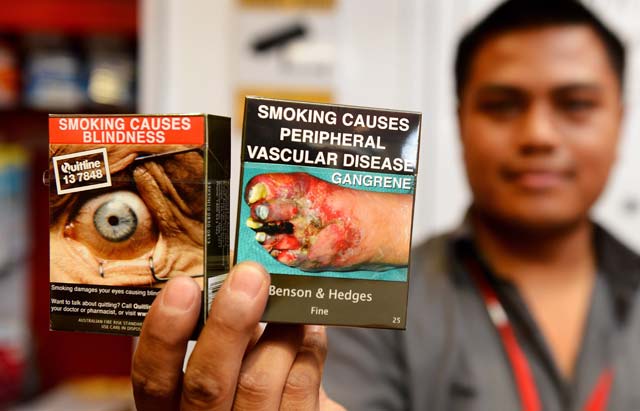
(115,221)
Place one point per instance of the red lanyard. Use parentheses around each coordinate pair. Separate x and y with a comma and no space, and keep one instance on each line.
(525,383)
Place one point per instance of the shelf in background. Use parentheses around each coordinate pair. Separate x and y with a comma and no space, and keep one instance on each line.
(59,356)
(71,16)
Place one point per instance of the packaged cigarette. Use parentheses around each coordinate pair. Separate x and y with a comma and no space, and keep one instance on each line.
(326,205)
(134,201)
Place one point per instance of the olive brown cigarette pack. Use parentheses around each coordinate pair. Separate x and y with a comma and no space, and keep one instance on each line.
(326,205)
(134,200)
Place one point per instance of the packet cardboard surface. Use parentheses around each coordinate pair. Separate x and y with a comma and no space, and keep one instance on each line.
(326,205)
(134,200)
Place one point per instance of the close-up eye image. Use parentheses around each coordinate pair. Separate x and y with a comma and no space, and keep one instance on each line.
(114,225)
(143,229)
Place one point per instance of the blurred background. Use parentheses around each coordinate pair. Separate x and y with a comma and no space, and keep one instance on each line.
(171,56)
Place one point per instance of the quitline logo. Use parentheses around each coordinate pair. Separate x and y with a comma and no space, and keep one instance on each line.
(81,171)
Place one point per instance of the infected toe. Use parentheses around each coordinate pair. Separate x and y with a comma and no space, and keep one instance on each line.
(274,210)
(257,193)
(253,224)
(262,211)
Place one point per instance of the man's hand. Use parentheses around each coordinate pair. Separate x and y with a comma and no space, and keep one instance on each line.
(233,365)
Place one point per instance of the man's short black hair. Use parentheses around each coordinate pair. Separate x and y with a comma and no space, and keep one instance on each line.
(523,14)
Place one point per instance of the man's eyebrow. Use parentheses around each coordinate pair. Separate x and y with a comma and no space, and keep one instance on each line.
(500,89)
(578,87)
(507,90)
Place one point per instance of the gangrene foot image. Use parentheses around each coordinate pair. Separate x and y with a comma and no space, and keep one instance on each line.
(305,222)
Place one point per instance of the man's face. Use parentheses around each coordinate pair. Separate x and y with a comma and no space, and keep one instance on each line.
(539,119)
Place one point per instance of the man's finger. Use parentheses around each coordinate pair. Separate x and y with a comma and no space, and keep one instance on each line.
(301,391)
(212,372)
(157,364)
(265,369)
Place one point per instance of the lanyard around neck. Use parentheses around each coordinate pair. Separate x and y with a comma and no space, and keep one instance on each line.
(525,383)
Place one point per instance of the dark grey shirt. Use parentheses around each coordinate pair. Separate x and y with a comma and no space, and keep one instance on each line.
(451,357)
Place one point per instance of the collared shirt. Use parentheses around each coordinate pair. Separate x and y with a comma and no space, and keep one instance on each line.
(451,358)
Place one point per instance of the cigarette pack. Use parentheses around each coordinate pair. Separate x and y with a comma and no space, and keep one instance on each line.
(326,205)
(134,200)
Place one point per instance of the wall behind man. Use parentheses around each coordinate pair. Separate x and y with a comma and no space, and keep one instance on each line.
(394,54)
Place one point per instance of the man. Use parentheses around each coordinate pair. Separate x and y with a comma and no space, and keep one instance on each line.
(540,106)
(529,305)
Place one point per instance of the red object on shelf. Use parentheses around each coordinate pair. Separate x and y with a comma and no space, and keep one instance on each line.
(11,374)
(70,16)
